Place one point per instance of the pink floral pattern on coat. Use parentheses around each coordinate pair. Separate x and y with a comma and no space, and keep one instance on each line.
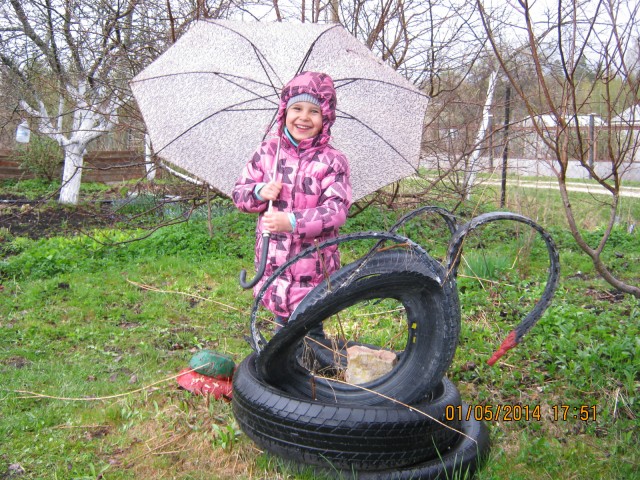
(315,187)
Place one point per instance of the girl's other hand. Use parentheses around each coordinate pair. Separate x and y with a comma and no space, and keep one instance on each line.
(276,222)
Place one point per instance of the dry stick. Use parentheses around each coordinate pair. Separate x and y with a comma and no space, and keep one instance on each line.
(413,409)
(629,412)
(64,427)
(163,442)
(388,398)
(151,451)
(311,339)
(108,397)
(171,452)
(393,339)
(615,405)
(373,314)
(618,411)
(198,297)
(475,277)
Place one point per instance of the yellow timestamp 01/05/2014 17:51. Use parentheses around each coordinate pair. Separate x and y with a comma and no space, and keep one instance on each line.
(518,413)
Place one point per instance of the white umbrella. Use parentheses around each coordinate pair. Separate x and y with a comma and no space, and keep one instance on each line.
(212,97)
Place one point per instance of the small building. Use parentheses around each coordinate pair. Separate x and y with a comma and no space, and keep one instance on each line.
(629,117)
(550,121)
(532,144)
(628,132)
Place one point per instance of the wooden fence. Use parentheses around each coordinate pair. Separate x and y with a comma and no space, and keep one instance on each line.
(104,167)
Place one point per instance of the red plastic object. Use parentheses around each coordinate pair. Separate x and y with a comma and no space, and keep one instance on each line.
(203,385)
(507,345)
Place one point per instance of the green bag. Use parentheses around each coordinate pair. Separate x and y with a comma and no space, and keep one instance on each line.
(213,364)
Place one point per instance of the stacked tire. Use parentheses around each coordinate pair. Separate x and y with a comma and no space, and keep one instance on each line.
(398,426)
(402,425)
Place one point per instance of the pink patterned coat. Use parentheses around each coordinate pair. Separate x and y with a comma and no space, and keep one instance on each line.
(315,187)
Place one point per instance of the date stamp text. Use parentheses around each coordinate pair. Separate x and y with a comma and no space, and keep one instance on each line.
(521,413)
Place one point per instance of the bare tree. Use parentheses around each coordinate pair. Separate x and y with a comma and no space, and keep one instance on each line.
(560,43)
(440,46)
(69,60)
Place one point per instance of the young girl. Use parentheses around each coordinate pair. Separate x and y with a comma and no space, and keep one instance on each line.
(311,191)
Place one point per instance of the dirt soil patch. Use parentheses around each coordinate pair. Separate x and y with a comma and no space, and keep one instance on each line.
(36,220)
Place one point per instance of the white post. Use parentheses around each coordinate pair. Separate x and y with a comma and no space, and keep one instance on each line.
(592,141)
(471,173)
(149,166)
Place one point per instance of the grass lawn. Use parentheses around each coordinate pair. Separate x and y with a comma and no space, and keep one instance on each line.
(94,330)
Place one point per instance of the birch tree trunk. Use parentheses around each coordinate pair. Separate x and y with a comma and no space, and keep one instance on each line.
(71,174)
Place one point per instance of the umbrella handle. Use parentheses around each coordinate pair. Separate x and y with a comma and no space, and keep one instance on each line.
(265,236)
(261,267)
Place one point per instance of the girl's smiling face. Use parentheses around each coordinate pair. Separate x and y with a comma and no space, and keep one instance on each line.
(304,120)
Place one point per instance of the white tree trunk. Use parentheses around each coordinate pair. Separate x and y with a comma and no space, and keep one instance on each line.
(72,173)
(149,165)
(470,173)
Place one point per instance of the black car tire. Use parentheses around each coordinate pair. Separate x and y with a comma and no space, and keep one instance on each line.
(460,460)
(432,319)
(362,437)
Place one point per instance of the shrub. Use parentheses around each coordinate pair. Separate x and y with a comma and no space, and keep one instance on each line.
(42,157)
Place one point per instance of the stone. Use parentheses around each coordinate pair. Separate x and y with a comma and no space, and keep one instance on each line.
(365,364)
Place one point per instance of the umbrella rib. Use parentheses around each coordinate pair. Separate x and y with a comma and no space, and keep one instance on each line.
(263,63)
(412,89)
(230,108)
(259,55)
(349,81)
(347,116)
(225,76)
(313,44)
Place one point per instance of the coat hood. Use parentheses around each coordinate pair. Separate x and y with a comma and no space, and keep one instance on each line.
(320,85)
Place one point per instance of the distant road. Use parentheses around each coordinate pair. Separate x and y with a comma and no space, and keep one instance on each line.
(571,186)
(576,174)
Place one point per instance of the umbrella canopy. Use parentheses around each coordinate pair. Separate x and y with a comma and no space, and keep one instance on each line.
(212,97)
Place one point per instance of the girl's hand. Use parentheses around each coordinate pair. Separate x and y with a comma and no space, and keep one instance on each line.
(271,191)
(276,222)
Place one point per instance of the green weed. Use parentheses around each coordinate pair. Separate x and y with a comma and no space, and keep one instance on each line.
(93,330)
